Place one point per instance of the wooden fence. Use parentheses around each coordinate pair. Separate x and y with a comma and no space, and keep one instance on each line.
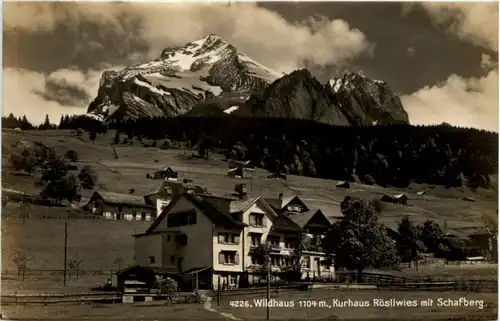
(14,273)
(51,298)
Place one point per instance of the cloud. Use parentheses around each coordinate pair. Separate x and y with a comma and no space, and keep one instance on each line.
(459,101)
(261,33)
(487,63)
(475,22)
(465,102)
(34,94)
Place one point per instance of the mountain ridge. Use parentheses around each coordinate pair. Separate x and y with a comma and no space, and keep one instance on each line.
(212,72)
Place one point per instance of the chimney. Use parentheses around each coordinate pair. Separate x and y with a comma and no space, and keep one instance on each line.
(241,190)
(280,196)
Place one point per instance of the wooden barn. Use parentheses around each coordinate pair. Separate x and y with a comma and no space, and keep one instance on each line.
(236,172)
(168,173)
(343,184)
(400,199)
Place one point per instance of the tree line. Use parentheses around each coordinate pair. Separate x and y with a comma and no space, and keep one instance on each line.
(386,155)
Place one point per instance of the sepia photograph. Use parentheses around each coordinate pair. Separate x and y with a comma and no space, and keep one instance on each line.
(238,160)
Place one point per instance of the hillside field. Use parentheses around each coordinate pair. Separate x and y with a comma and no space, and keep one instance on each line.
(98,242)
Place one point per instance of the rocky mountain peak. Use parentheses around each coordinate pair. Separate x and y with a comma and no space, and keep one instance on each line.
(181,78)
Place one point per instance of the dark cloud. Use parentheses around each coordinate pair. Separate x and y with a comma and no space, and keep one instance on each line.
(64,93)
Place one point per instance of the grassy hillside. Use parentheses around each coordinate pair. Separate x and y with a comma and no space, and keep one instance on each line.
(129,170)
(99,242)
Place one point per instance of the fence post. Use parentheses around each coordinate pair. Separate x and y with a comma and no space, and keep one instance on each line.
(15,297)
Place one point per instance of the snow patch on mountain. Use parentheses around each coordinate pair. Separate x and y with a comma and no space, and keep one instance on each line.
(181,78)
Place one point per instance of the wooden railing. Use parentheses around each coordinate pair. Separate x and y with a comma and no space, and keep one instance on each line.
(56,298)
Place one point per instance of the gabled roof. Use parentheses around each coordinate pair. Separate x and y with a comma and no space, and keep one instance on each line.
(119,198)
(302,219)
(281,204)
(164,169)
(216,214)
(394,197)
(283,223)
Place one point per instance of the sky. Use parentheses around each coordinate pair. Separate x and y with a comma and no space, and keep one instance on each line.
(440,57)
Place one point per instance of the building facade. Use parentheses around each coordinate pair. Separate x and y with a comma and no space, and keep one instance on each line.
(220,236)
(116,206)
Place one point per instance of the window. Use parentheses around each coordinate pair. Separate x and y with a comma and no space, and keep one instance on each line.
(255,239)
(120,209)
(294,208)
(143,215)
(233,280)
(168,238)
(254,260)
(228,238)
(228,257)
(257,220)
(181,218)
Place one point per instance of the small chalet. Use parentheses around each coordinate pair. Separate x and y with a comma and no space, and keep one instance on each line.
(236,163)
(237,172)
(117,206)
(168,173)
(484,240)
(343,184)
(400,199)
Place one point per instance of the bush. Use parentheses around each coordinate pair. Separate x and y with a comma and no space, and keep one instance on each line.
(88,177)
(368,180)
(71,155)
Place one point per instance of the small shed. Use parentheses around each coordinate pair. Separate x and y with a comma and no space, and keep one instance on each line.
(236,172)
(401,199)
(343,184)
(166,173)
(141,279)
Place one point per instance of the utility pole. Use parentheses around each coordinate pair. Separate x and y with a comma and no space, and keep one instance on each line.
(65,250)
(22,208)
(268,286)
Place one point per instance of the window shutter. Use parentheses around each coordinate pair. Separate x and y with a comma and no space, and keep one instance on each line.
(237,258)
(221,258)
(237,239)
(264,221)
(221,238)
